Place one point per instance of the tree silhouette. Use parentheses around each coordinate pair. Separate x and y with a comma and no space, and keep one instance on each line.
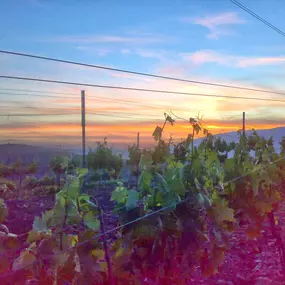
(21,171)
(59,165)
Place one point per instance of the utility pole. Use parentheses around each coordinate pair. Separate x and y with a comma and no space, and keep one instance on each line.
(243,123)
(137,163)
(138,140)
(83,127)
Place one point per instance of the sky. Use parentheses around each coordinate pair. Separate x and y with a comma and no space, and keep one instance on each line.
(203,40)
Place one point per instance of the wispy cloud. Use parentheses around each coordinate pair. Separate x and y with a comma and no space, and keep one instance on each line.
(125,51)
(217,24)
(257,61)
(47,129)
(143,52)
(149,53)
(110,39)
(210,56)
(206,56)
(98,51)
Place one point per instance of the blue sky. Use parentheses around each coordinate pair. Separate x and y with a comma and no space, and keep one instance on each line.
(201,40)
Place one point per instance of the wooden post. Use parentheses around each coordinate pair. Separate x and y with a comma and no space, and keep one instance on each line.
(83,127)
(243,123)
(138,140)
(105,246)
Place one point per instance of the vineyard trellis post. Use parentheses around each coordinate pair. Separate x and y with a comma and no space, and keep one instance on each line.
(138,140)
(83,127)
(243,123)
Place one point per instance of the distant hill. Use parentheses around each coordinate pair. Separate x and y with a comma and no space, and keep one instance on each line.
(276,133)
(10,153)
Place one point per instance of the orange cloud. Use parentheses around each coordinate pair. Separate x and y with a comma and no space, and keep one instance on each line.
(118,133)
(144,105)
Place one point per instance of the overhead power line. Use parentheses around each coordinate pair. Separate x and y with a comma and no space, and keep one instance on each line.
(74,109)
(117,116)
(139,104)
(128,115)
(258,17)
(139,73)
(38,91)
(124,113)
(94,98)
(139,89)
(36,115)
(40,95)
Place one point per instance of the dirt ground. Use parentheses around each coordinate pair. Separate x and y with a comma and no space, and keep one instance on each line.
(255,262)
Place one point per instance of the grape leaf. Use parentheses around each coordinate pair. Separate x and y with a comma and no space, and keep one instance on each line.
(255,186)
(263,207)
(11,242)
(73,239)
(212,157)
(161,183)
(132,200)
(4,264)
(90,221)
(73,189)
(157,134)
(222,211)
(144,181)
(174,181)
(68,240)
(120,194)
(145,161)
(39,225)
(33,236)
(81,172)
(98,254)
(25,259)
(61,259)
(73,216)
(47,216)
(83,202)
(177,186)
(58,210)
(3,211)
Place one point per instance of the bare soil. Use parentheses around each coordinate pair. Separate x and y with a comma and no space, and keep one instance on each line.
(255,262)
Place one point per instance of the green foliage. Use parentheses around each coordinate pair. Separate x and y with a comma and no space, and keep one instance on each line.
(120,195)
(91,221)
(74,162)
(198,179)
(3,211)
(200,194)
(157,134)
(132,199)
(5,170)
(21,171)
(59,164)
(134,155)
(180,151)
(32,182)
(161,152)
(104,159)
(10,185)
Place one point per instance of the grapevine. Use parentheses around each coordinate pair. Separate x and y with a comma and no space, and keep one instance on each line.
(180,216)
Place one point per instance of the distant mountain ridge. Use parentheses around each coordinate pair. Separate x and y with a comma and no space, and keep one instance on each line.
(10,152)
(276,133)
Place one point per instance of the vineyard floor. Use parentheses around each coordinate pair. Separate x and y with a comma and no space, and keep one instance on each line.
(255,262)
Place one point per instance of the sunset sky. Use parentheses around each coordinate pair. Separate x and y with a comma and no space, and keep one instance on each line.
(204,40)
